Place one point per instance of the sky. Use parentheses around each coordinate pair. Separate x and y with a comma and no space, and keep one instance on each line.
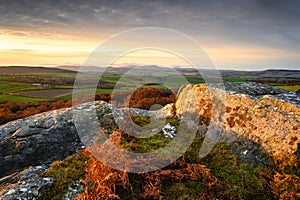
(236,34)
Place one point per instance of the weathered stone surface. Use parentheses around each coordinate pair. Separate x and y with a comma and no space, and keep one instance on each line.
(257,90)
(256,126)
(27,184)
(39,140)
(267,121)
(44,137)
(50,136)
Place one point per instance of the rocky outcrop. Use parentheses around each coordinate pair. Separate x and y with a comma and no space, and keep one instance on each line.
(27,184)
(46,137)
(38,140)
(43,138)
(257,126)
(257,90)
(267,121)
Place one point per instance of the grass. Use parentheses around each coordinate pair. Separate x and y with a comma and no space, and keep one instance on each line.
(110,78)
(127,82)
(63,87)
(149,144)
(194,80)
(234,179)
(15,99)
(244,181)
(7,90)
(64,172)
(183,190)
(12,87)
(292,88)
(3,76)
(240,180)
(235,79)
(128,79)
(175,82)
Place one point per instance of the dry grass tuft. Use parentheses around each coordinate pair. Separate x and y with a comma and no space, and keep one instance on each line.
(285,186)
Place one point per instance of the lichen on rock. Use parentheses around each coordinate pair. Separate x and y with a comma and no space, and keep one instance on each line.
(267,121)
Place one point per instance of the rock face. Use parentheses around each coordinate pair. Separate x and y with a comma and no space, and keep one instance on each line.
(46,137)
(257,90)
(42,138)
(258,126)
(267,121)
(26,184)
(37,139)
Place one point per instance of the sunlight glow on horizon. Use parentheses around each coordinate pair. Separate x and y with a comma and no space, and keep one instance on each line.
(66,50)
(26,50)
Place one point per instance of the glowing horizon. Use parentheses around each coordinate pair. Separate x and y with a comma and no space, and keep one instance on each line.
(67,35)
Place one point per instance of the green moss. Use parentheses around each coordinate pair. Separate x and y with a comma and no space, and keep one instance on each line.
(150,144)
(183,190)
(244,181)
(141,120)
(240,180)
(64,172)
(236,180)
(143,145)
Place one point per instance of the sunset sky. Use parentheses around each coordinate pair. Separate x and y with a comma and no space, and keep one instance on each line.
(236,34)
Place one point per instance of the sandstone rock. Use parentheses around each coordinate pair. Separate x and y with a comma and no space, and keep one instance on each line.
(267,121)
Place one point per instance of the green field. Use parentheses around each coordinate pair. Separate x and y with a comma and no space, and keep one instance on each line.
(235,79)
(15,98)
(16,82)
(292,88)
(12,87)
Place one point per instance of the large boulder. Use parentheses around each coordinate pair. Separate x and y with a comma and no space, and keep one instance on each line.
(44,138)
(271,123)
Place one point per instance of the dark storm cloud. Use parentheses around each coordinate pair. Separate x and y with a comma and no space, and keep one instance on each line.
(267,23)
(150,12)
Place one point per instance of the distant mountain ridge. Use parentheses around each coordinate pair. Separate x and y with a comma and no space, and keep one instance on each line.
(32,70)
(272,74)
(10,69)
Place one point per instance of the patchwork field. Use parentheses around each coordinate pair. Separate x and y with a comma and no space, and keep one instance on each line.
(34,84)
(293,88)
(54,93)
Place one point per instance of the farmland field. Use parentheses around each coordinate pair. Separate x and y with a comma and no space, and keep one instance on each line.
(293,88)
(54,93)
(16,98)
(23,84)
(12,87)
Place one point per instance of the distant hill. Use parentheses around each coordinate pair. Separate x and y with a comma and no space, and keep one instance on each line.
(32,70)
(266,74)
(270,74)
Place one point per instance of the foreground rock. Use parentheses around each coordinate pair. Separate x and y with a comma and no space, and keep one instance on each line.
(25,185)
(50,136)
(258,127)
(257,90)
(42,138)
(267,121)
(38,140)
